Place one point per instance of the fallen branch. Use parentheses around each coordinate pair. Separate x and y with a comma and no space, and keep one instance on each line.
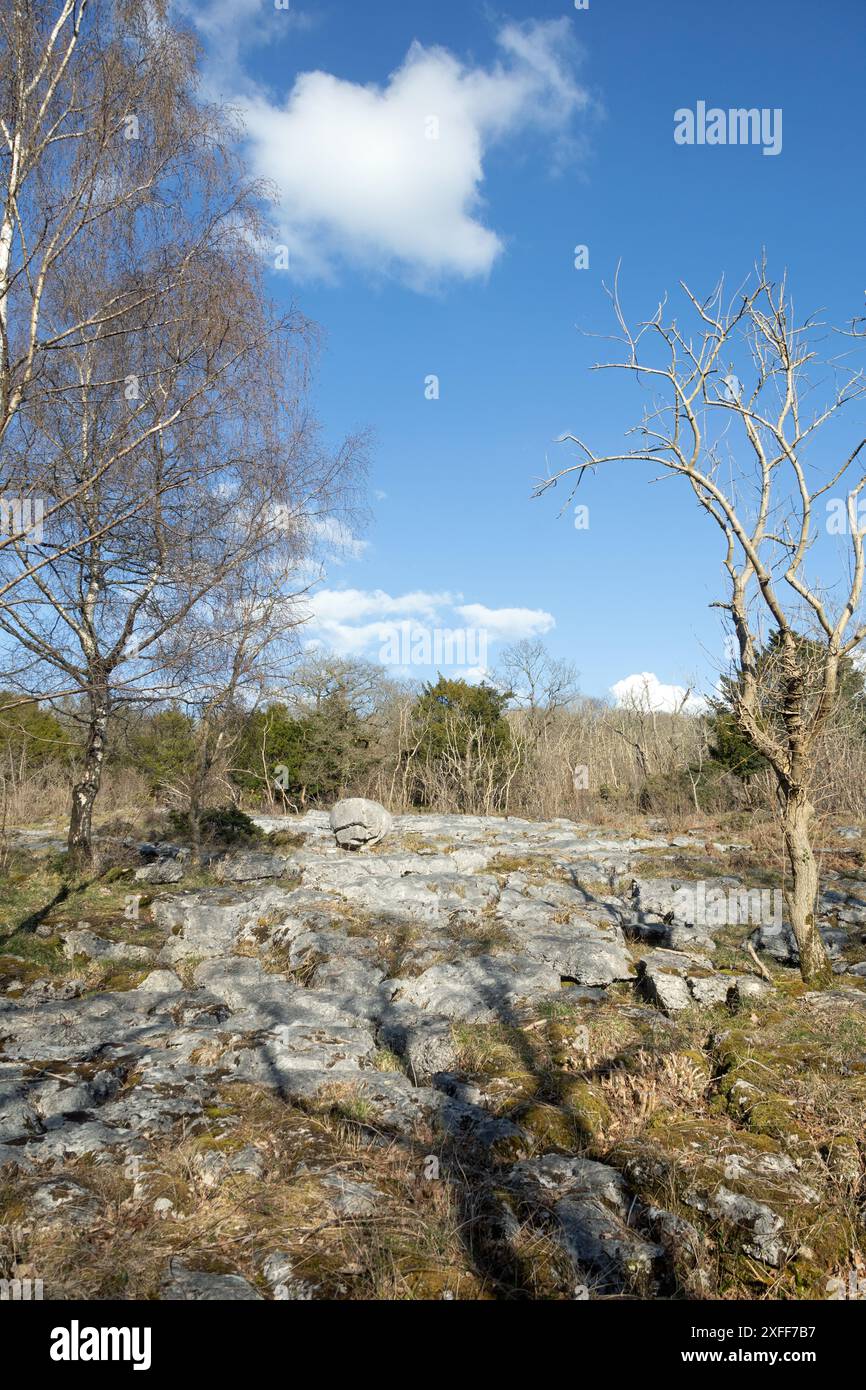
(762,969)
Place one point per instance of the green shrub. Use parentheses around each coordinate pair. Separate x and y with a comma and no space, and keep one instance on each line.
(225,824)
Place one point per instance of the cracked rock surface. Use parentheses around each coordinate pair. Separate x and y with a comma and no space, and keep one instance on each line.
(463,1001)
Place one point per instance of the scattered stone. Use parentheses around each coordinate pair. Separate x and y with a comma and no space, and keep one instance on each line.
(182,1284)
(43,991)
(599,1241)
(582,952)
(161,982)
(591,1210)
(247,868)
(846,909)
(426,1044)
(18,1119)
(763,1227)
(350,1198)
(710,990)
(63,1200)
(776,940)
(277,1267)
(688,1252)
(214,1167)
(55,1099)
(85,943)
(664,987)
(207,923)
(162,871)
(279,1273)
(750,988)
(559,1173)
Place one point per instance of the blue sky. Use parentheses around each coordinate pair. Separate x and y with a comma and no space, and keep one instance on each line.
(454,257)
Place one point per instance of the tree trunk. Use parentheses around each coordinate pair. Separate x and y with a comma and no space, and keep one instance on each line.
(79,841)
(207,755)
(802,894)
(196,797)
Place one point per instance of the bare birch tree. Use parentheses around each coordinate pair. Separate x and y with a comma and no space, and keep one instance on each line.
(146,387)
(114,177)
(732,413)
(231,490)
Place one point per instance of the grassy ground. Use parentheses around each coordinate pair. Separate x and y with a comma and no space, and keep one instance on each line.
(656,1098)
(38,899)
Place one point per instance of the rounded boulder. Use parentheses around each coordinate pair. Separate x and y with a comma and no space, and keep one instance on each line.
(357,822)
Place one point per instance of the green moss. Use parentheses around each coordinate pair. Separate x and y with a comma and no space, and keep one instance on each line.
(753,1077)
(586,1107)
(119,976)
(774,1115)
(550,1126)
(428,1284)
(217,1143)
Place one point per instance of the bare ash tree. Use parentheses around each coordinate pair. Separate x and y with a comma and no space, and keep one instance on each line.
(739,395)
(538,682)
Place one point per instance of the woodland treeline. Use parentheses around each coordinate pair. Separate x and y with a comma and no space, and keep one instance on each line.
(525,743)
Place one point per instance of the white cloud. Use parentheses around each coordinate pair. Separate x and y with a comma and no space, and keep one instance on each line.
(232,28)
(474,675)
(347,605)
(353,640)
(364,622)
(644,691)
(507,624)
(360,180)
